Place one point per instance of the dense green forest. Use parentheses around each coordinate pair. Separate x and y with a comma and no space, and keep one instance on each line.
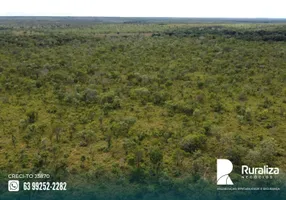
(139,108)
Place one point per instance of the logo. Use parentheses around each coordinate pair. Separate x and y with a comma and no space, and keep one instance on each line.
(264,172)
(224,168)
(259,170)
(13,186)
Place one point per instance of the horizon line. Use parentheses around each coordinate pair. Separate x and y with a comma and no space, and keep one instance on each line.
(141,17)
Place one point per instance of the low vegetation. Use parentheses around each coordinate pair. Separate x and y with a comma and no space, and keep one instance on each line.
(144,105)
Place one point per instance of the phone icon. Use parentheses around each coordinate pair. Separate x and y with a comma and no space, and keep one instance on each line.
(13,186)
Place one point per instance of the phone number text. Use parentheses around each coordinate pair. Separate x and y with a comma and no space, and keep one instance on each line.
(44,186)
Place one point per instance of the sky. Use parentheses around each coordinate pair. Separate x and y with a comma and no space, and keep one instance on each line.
(146,8)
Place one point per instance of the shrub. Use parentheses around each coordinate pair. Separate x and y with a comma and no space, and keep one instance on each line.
(159,97)
(193,142)
(263,115)
(137,175)
(107,97)
(121,127)
(242,96)
(140,93)
(109,101)
(156,156)
(181,107)
(86,136)
(71,97)
(200,98)
(90,95)
(268,150)
(129,145)
(218,107)
(32,116)
(253,157)
(207,126)
(178,156)
(23,124)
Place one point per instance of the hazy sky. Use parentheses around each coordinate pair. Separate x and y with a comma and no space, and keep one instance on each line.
(146,8)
